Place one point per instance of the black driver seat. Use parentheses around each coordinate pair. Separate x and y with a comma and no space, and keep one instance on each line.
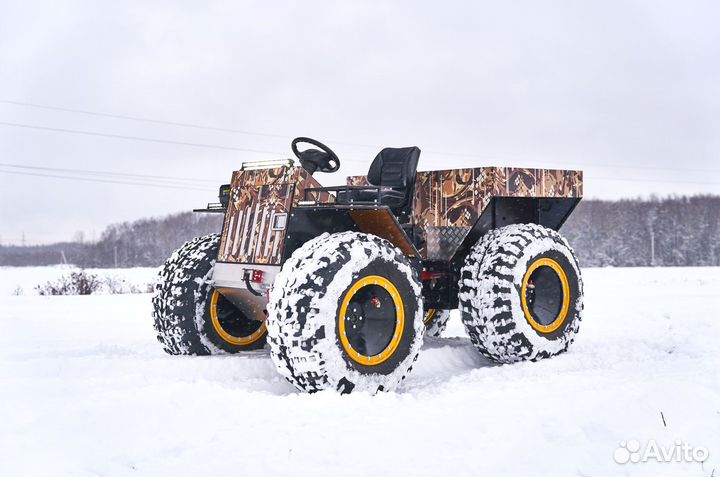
(393,170)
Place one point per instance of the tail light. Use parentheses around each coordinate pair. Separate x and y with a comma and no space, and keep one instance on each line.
(432,275)
(254,276)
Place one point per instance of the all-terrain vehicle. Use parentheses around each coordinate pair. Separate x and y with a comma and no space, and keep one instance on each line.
(342,283)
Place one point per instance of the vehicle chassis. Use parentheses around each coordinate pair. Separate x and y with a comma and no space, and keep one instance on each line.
(271,211)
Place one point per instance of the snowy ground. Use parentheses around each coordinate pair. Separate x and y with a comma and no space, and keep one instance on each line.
(25,280)
(86,390)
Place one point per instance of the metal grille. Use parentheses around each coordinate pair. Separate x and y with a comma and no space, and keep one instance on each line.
(442,242)
(250,235)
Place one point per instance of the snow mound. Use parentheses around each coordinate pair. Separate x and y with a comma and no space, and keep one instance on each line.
(24,280)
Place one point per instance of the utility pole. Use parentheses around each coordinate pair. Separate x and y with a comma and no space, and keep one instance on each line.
(651,218)
(115,255)
(22,240)
(652,248)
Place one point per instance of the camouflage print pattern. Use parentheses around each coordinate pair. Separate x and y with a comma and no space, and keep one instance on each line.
(448,202)
(452,198)
(357,181)
(306,181)
(516,182)
(277,175)
(257,198)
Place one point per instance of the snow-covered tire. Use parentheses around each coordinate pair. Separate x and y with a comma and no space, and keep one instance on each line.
(314,298)
(501,313)
(436,322)
(185,303)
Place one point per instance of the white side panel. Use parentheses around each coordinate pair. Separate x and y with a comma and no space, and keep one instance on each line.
(236,234)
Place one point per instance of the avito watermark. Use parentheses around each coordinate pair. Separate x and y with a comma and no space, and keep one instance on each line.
(632,451)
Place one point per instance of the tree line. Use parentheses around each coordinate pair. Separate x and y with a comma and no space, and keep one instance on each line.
(672,231)
(142,243)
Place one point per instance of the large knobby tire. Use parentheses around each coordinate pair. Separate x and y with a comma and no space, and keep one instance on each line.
(190,316)
(436,322)
(521,294)
(345,313)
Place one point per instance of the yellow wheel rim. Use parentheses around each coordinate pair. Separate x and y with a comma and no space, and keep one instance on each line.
(565,307)
(390,349)
(429,316)
(233,340)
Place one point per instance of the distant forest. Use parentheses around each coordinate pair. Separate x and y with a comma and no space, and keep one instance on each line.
(142,243)
(676,231)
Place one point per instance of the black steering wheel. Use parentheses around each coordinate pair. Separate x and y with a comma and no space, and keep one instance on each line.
(312,160)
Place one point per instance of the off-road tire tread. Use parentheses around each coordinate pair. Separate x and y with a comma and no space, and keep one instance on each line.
(176,292)
(289,340)
(488,263)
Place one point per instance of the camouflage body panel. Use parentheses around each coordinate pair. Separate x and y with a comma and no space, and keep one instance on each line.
(357,181)
(257,198)
(448,202)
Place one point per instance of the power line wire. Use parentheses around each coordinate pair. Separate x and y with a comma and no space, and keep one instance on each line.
(139,138)
(284,136)
(109,173)
(166,122)
(162,141)
(141,119)
(240,131)
(624,179)
(632,179)
(578,165)
(108,181)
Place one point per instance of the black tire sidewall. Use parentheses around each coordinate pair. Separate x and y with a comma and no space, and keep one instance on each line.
(303,323)
(491,293)
(208,331)
(183,320)
(175,298)
(437,324)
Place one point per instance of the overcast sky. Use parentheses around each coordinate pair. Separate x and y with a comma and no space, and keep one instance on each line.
(628,91)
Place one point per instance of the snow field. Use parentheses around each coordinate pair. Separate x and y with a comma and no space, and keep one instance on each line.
(86,389)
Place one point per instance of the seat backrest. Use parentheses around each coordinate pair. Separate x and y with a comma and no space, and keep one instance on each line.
(396,168)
